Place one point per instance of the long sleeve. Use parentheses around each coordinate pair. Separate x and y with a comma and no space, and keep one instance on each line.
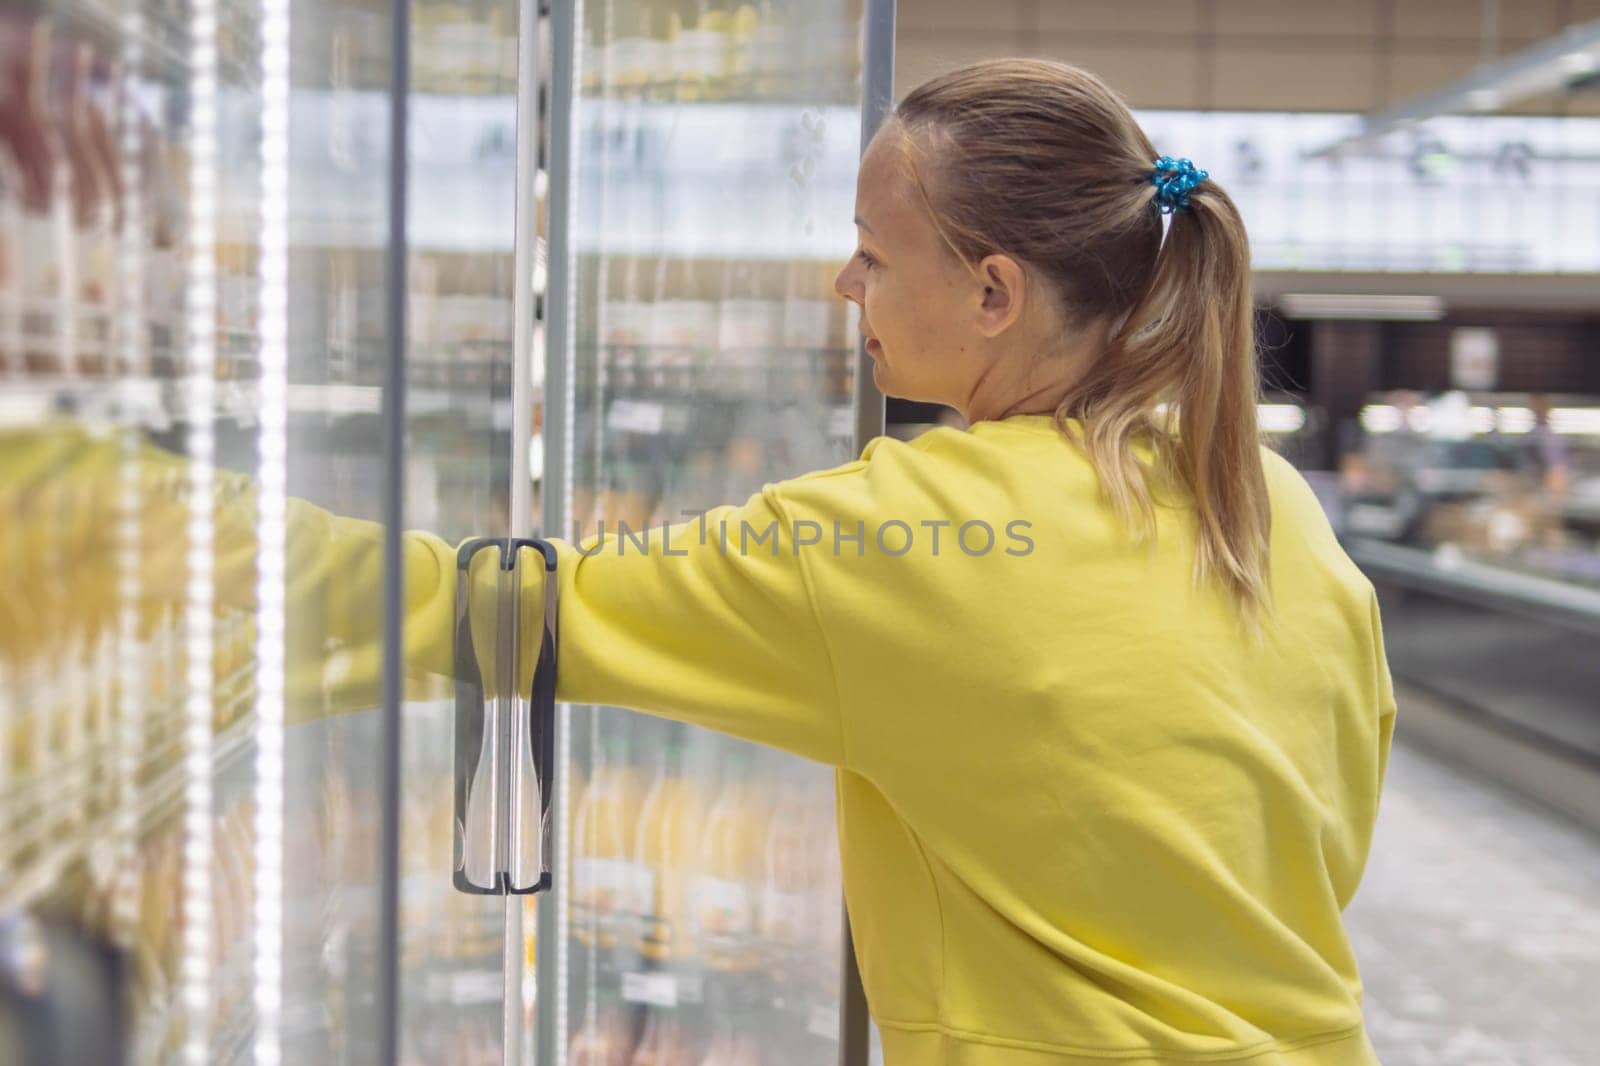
(710,622)
(66,489)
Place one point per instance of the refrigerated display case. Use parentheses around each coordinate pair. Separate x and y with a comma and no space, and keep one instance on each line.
(196,329)
(254,253)
(703,161)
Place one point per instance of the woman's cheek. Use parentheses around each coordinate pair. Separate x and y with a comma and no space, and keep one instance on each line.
(876,303)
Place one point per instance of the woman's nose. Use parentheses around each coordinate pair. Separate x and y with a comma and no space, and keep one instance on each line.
(846,284)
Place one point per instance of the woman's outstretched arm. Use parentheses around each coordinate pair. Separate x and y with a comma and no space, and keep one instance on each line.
(710,621)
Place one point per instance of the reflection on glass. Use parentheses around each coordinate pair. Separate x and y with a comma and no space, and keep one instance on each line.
(147,441)
(458,476)
(716,146)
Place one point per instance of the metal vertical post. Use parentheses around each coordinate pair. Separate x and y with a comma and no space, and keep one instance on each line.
(521,523)
(394,436)
(551,964)
(877,82)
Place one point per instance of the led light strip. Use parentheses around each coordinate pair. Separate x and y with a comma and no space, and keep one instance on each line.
(200,296)
(561,481)
(1568,421)
(270,519)
(131,676)
(1280,417)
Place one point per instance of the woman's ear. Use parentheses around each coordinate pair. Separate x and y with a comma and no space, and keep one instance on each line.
(1004,289)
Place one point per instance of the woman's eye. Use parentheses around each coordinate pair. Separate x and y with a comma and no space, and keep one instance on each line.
(866,258)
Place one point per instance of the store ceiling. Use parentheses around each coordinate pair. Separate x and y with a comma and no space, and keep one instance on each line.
(1518,292)
(1276,55)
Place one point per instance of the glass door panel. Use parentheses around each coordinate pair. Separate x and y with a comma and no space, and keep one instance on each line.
(715,149)
(194,343)
(458,452)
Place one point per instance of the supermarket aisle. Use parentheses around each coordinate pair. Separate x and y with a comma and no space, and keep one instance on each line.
(1478,925)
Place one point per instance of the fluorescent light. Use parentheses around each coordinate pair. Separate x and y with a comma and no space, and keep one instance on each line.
(1510,420)
(1352,305)
(1578,64)
(1575,420)
(1380,418)
(1545,67)
(1280,417)
(1514,420)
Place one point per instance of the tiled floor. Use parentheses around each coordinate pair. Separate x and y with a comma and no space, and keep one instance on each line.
(1478,926)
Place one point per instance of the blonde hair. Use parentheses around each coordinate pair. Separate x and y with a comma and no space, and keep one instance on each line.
(1043,162)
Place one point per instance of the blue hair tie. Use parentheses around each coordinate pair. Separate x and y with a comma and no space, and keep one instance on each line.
(1174,179)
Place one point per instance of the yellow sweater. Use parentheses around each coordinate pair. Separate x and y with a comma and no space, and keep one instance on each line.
(1082,819)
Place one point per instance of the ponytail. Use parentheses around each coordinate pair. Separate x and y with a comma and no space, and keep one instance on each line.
(1182,375)
(1044,162)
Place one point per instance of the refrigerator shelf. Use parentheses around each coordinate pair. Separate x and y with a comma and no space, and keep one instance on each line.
(48,828)
(164,43)
(160,403)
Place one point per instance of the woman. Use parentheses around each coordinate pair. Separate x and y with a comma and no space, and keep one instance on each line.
(1108,776)
(1108,703)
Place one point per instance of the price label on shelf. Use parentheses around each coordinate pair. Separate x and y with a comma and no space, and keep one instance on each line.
(636,416)
(651,989)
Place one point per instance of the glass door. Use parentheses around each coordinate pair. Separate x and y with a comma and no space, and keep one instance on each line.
(457,950)
(206,456)
(704,172)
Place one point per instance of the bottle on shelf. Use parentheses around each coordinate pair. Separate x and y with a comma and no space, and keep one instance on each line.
(788,872)
(824,891)
(741,54)
(624,325)
(639,53)
(670,821)
(603,845)
(592,55)
(809,308)
(767,44)
(725,892)
(684,331)
(701,41)
(813,330)
(749,323)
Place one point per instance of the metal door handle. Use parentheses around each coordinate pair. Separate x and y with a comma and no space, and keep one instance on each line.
(504,755)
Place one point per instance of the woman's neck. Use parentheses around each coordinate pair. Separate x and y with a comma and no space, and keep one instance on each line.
(1032,379)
